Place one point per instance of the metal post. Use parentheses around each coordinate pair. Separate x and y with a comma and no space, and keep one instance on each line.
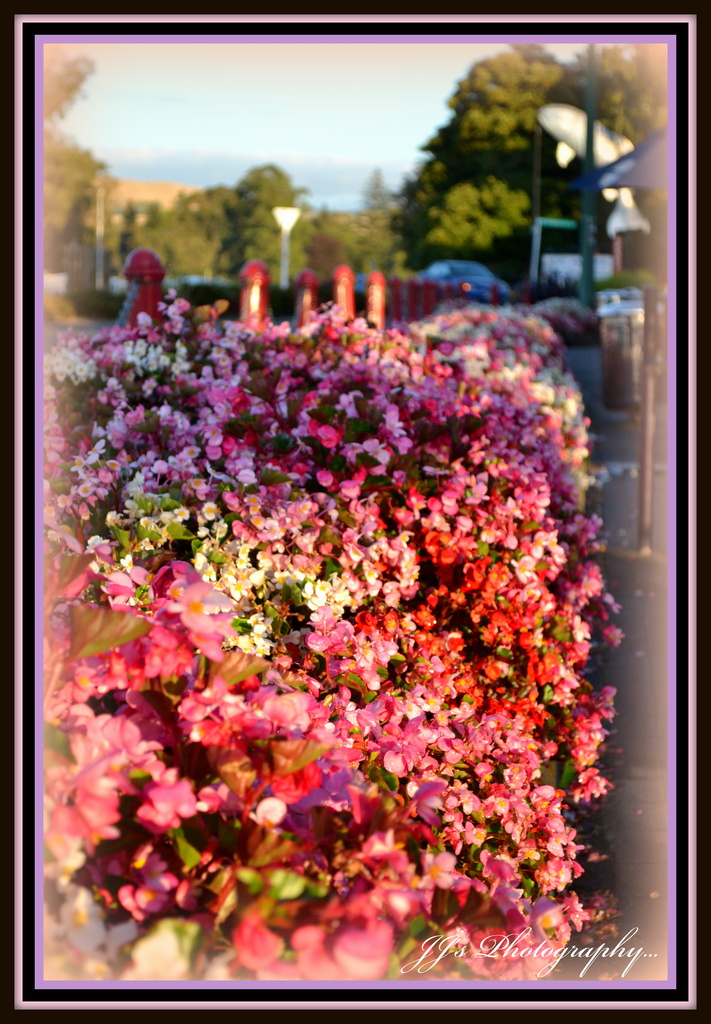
(286,217)
(647,424)
(535,251)
(99,270)
(588,196)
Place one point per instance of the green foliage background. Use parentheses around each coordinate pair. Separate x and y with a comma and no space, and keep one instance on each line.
(471,197)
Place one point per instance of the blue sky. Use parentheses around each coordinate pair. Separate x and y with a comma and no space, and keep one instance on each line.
(328,113)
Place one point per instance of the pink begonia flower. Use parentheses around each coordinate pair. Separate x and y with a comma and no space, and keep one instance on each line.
(291,788)
(363,954)
(195,605)
(494,867)
(196,706)
(269,812)
(328,436)
(428,799)
(153,893)
(256,946)
(165,805)
(613,635)
(313,962)
(350,489)
(438,869)
(290,710)
(318,642)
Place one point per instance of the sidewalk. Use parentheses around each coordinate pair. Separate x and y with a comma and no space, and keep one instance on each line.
(636,825)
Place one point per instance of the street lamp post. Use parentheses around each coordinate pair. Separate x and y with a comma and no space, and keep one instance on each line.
(587,212)
(99,265)
(286,217)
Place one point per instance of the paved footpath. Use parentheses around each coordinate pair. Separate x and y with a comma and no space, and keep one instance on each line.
(636,822)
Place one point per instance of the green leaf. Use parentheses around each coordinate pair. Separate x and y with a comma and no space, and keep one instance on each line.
(217,557)
(418,925)
(266,848)
(145,534)
(355,428)
(149,425)
(57,741)
(227,835)
(291,755)
(122,536)
(234,767)
(179,532)
(238,665)
(283,442)
(94,630)
(270,476)
(561,631)
(391,781)
(285,885)
(252,879)
(71,568)
(323,413)
(379,480)
(569,775)
(329,536)
(187,853)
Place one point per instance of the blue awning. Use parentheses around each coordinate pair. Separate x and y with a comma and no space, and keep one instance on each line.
(644,167)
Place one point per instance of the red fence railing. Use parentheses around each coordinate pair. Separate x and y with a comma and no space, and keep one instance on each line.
(386,303)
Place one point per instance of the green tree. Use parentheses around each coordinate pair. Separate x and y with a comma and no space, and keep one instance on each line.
(376,222)
(324,252)
(488,143)
(472,193)
(215,231)
(631,87)
(70,172)
(256,232)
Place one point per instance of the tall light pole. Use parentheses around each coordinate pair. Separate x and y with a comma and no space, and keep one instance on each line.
(286,217)
(99,267)
(588,196)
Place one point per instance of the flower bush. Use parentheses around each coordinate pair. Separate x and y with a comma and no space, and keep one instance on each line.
(569,317)
(318,609)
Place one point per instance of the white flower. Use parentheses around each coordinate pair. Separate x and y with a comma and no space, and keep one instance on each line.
(81,920)
(161,955)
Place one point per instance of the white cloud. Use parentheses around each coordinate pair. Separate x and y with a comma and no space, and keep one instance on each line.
(335,182)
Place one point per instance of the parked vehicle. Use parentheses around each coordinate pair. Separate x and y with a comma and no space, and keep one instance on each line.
(472,279)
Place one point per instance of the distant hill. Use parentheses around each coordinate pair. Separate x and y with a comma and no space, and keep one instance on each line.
(143,193)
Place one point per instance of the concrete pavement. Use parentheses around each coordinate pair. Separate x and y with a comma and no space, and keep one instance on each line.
(638,820)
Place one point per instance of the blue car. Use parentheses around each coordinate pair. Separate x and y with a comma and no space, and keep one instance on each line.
(474,279)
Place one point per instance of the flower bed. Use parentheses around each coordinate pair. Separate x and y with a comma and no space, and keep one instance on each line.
(318,611)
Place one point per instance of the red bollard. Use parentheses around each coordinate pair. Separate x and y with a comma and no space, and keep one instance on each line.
(395,291)
(449,292)
(429,296)
(413,297)
(495,294)
(343,279)
(306,283)
(144,272)
(375,299)
(526,293)
(254,296)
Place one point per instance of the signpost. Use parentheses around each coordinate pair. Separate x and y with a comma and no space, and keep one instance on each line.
(286,217)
